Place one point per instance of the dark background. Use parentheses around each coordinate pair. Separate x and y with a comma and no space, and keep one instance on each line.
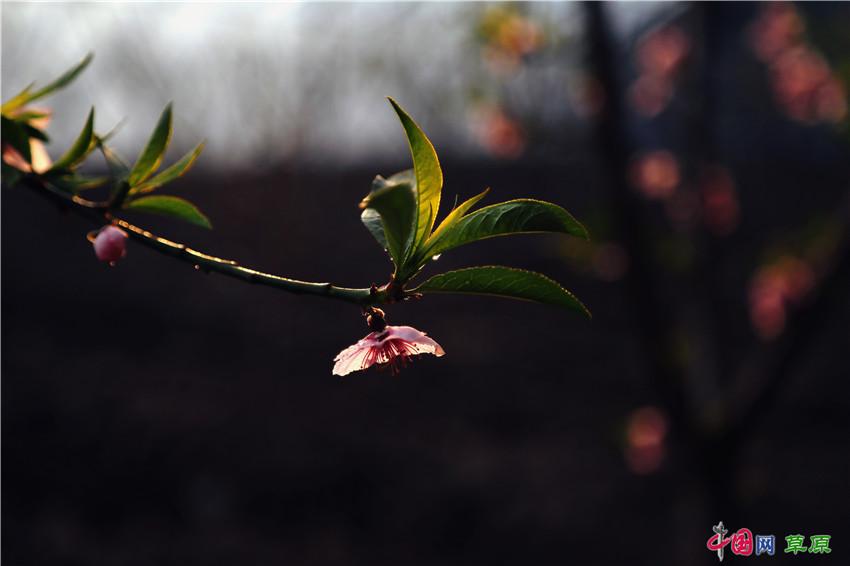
(156,415)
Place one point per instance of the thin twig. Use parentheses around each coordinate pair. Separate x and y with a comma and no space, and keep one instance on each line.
(99,213)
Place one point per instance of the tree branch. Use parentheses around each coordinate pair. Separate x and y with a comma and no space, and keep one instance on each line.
(99,213)
(657,326)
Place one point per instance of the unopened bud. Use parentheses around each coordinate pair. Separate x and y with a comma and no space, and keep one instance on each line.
(110,244)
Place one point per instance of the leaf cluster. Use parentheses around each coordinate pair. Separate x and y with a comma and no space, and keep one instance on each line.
(130,186)
(401,212)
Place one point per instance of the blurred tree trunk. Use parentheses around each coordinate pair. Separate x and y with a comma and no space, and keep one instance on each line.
(709,459)
(709,434)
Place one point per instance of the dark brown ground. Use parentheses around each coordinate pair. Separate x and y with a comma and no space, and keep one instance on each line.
(154,415)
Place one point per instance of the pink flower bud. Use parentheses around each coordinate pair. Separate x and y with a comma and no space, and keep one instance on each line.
(110,244)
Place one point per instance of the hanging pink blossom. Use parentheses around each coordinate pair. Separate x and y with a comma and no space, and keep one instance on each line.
(392,346)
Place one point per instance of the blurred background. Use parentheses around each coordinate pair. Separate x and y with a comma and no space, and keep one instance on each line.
(155,415)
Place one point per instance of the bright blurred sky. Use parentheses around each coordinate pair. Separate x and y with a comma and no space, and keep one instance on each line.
(265,82)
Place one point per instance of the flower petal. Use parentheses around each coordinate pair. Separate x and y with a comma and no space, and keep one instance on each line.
(423,344)
(394,346)
(356,357)
(353,358)
(41,161)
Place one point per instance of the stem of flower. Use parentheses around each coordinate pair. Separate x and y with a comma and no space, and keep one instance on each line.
(99,213)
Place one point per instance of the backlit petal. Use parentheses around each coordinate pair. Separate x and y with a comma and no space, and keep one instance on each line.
(393,346)
(353,358)
(423,343)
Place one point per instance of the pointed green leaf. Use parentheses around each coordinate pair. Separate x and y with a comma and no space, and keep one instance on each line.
(449,221)
(520,216)
(108,135)
(14,134)
(171,173)
(86,183)
(29,115)
(27,95)
(80,149)
(394,200)
(117,167)
(429,176)
(64,80)
(170,206)
(74,183)
(372,220)
(17,101)
(119,171)
(503,282)
(151,156)
(32,131)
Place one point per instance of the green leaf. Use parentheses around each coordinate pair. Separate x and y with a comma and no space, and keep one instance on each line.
(119,171)
(372,219)
(81,147)
(171,173)
(27,95)
(32,131)
(170,206)
(15,135)
(520,216)
(75,183)
(29,115)
(64,80)
(449,221)
(117,167)
(101,139)
(151,156)
(429,177)
(17,101)
(394,200)
(503,282)
(86,183)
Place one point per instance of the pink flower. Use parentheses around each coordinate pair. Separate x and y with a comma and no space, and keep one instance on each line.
(110,244)
(392,345)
